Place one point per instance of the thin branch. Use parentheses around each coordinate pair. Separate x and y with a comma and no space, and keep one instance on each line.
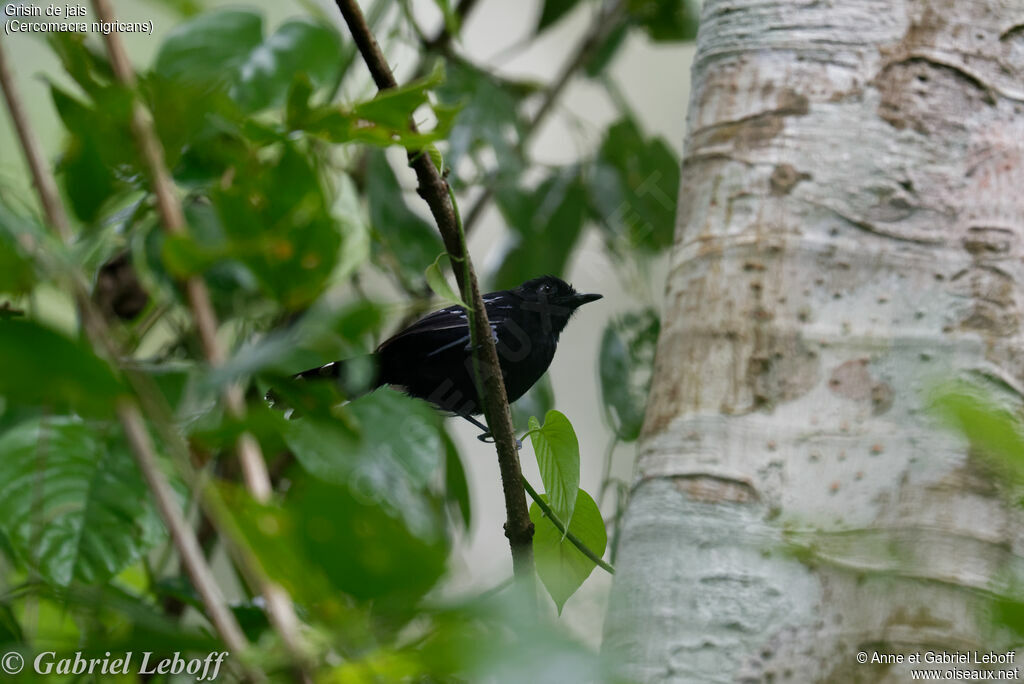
(609,454)
(184,538)
(254,468)
(603,25)
(443,39)
(128,412)
(173,219)
(560,526)
(434,190)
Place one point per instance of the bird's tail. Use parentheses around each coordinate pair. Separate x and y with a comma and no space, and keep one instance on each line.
(354,377)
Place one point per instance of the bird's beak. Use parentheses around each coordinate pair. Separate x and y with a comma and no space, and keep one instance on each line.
(581,299)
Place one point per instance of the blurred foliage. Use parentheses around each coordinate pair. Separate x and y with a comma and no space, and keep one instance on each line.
(994,427)
(292,201)
(990,416)
(550,215)
(73,506)
(627,359)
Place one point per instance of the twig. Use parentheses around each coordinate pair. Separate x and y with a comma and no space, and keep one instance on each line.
(603,25)
(560,526)
(254,469)
(443,39)
(609,453)
(173,219)
(184,538)
(128,412)
(434,190)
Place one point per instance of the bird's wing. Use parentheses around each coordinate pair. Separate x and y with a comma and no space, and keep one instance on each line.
(449,327)
(451,319)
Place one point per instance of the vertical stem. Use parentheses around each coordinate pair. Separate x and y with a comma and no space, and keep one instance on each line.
(435,192)
(184,539)
(254,469)
(128,412)
(606,21)
(250,456)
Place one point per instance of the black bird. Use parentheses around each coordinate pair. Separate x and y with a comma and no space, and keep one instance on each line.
(431,358)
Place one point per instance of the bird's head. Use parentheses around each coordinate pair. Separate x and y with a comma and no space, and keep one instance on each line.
(554,299)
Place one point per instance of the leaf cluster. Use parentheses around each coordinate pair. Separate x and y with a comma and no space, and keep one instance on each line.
(292,201)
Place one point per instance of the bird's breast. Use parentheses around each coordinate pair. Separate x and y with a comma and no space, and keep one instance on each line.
(524,358)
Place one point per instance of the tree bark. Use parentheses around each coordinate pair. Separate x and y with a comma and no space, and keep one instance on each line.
(849,232)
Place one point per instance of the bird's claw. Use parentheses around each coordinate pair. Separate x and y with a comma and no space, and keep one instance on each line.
(488,438)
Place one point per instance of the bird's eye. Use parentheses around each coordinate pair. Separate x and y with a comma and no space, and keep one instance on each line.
(547,288)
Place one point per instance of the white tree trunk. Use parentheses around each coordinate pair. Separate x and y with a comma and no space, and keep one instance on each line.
(849,232)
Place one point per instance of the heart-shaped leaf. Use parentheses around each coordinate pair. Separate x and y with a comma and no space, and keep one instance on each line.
(560,565)
(558,456)
(439,285)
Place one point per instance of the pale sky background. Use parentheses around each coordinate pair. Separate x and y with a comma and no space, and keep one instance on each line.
(655,81)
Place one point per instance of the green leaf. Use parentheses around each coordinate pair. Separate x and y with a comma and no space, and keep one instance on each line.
(327,538)
(989,424)
(72,502)
(545,224)
(355,229)
(97,149)
(383,121)
(489,118)
(386,448)
(17,271)
(451,18)
(496,639)
(171,378)
(436,157)
(88,66)
(553,11)
(211,47)
(10,630)
(558,456)
(323,334)
(208,250)
(394,106)
(633,188)
(398,230)
(626,361)
(204,132)
(1008,612)
(119,621)
(297,103)
(666,20)
(44,368)
(456,489)
(226,50)
(297,47)
(185,8)
(439,285)
(606,51)
(560,565)
(276,220)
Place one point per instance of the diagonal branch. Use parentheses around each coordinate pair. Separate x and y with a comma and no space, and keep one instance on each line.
(560,526)
(173,219)
(605,23)
(254,469)
(443,39)
(433,188)
(128,411)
